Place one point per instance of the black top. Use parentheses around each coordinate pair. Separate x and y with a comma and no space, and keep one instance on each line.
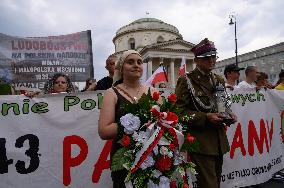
(104,83)
(119,112)
(118,177)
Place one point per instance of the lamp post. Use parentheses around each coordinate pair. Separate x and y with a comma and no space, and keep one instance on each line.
(233,21)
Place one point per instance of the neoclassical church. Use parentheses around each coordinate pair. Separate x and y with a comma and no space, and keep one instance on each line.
(158,43)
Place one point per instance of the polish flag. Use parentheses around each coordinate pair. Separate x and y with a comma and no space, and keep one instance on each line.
(158,76)
(182,67)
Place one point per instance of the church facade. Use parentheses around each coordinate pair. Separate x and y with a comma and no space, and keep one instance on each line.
(158,43)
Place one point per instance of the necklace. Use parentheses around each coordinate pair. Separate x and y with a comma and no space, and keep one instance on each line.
(134,98)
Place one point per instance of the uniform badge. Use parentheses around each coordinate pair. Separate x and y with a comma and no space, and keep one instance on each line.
(199,93)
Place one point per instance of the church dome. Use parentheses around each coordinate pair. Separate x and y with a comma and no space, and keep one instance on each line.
(147,24)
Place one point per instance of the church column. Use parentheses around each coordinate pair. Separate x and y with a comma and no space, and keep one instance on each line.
(193,65)
(149,72)
(172,72)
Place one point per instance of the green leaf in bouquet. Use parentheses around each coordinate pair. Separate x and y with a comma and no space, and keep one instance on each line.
(186,121)
(141,178)
(144,115)
(144,102)
(177,110)
(190,147)
(189,165)
(181,171)
(168,136)
(130,108)
(119,159)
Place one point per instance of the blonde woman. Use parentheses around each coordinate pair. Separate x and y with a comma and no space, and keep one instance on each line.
(126,89)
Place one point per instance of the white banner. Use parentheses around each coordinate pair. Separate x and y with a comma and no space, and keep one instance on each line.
(256,151)
(52,141)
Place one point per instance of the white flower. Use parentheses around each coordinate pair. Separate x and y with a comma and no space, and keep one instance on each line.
(170,154)
(141,136)
(148,162)
(156,173)
(135,136)
(151,184)
(156,150)
(163,142)
(164,182)
(130,123)
(164,150)
(179,127)
(178,158)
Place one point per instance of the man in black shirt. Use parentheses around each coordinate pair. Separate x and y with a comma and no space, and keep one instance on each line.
(106,82)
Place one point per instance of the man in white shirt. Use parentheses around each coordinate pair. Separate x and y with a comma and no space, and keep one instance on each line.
(232,74)
(251,76)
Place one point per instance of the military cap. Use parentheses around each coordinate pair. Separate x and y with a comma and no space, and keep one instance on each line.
(231,68)
(204,48)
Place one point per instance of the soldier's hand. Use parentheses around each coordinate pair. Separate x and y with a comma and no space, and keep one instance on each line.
(214,118)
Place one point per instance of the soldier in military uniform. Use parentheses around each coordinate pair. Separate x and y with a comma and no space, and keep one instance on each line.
(195,97)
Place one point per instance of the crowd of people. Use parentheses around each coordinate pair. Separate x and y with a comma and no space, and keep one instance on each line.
(195,95)
(253,78)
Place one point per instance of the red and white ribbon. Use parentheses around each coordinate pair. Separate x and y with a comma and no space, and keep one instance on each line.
(164,122)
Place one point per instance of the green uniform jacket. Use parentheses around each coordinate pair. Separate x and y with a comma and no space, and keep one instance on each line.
(212,138)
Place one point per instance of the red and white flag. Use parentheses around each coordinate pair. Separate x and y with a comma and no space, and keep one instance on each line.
(182,67)
(158,76)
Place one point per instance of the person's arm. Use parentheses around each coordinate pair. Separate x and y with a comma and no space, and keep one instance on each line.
(92,87)
(32,94)
(184,102)
(107,127)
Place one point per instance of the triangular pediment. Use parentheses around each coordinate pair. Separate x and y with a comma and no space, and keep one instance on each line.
(175,45)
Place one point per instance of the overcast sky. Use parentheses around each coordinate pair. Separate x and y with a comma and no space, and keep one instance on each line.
(259,22)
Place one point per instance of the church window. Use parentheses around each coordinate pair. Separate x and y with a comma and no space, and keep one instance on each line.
(160,39)
(131,43)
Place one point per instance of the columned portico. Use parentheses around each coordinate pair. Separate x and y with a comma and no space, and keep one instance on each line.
(170,55)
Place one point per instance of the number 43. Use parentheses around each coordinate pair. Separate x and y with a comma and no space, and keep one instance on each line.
(32,152)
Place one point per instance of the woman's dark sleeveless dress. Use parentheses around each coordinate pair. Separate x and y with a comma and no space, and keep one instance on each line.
(118,177)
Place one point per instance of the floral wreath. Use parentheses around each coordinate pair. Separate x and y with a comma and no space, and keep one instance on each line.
(154,139)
